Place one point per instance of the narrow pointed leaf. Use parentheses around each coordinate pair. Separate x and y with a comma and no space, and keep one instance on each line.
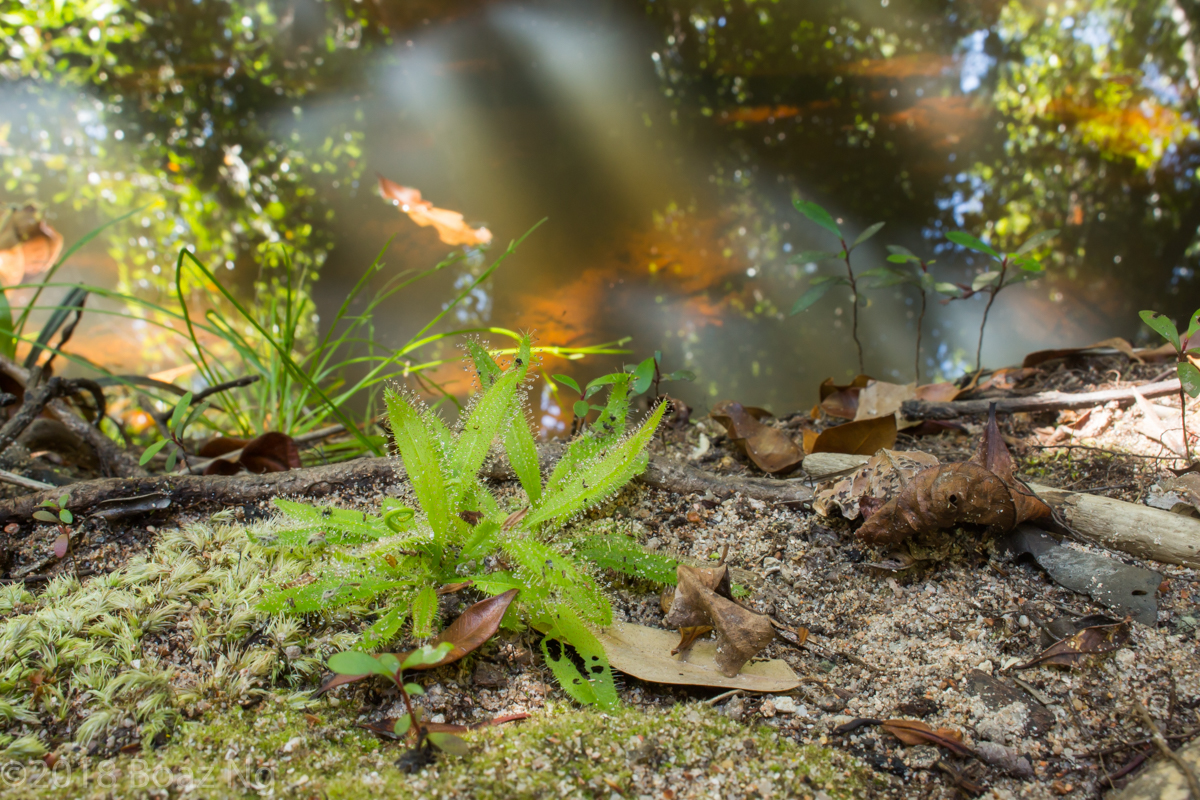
(818,215)
(965,239)
(867,234)
(1162,325)
(1036,241)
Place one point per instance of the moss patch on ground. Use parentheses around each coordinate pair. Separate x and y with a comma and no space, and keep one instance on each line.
(160,679)
(274,750)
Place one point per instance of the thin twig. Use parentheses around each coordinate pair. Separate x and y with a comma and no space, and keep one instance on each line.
(22,481)
(1100,450)
(1165,749)
(853,306)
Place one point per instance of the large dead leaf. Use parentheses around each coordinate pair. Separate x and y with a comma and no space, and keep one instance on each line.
(450,226)
(863,437)
(842,401)
(942,497)
(644,653)
(982,491)
(881,399)
(472,628)
(1120,345)
(867,489)
(702,599)
(1091,641)
(27,244)
(271,452)
(769,448)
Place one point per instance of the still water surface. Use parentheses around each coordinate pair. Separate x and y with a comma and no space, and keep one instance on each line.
(663,143)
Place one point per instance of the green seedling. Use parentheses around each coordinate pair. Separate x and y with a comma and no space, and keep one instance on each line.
(461,531)
(182,415)
(353,662)
(56,513)
(645,374)
(1185,344)
(917,274)
(998,278)
(818,287)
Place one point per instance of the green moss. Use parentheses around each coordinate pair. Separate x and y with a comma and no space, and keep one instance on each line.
(562,753)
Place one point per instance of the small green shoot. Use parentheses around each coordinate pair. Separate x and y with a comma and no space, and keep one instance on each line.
(1185,344)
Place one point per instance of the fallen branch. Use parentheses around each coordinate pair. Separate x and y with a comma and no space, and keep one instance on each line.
(1135,529)
(1045,401)
(361,475)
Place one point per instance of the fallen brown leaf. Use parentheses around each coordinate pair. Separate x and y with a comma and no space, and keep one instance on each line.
(863,437)
(937,392)
(1091,641)
(702,599)
(881,399)
(869,487)
(643,652)
(1120,345)
(771,449)
(842,401)
(271,452)
(450,226)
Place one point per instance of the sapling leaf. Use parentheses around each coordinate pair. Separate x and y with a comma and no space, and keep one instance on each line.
(867,234)
(63,500)
(898,250)
(151,451)
(643,376)
(402,726)
(680,375)
(173,458)
(580,408)
(1162,325)
(1036,241)
(44,516)
(175,424)
(812,256)
(965,239)
(66,516)
(8,341)
(1189,377)
(424,607)
(896,258)
(985,279)
(948,289)
(62,545)
(1189,339)
(426,655)
(449,743)
(353,662)
(567,380)
(391,664)
(414,689)
(818,215)
(1029,264)
(816,290)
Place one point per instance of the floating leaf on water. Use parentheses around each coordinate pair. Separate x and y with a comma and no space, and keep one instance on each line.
(28,245)
(450,225)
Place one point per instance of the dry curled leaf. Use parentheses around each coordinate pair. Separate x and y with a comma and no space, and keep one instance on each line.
(472,628)
(938,392)
(769,448)
(863,437)
(1091,641)
(1120,345)
(702,599)
(982,491)
(450,225)
(870,486)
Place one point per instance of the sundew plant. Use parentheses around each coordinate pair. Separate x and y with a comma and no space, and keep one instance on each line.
(396,560)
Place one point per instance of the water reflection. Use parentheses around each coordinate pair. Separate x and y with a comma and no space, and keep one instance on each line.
(664,141)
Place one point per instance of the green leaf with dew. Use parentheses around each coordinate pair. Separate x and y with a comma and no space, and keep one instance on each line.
(818,215)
